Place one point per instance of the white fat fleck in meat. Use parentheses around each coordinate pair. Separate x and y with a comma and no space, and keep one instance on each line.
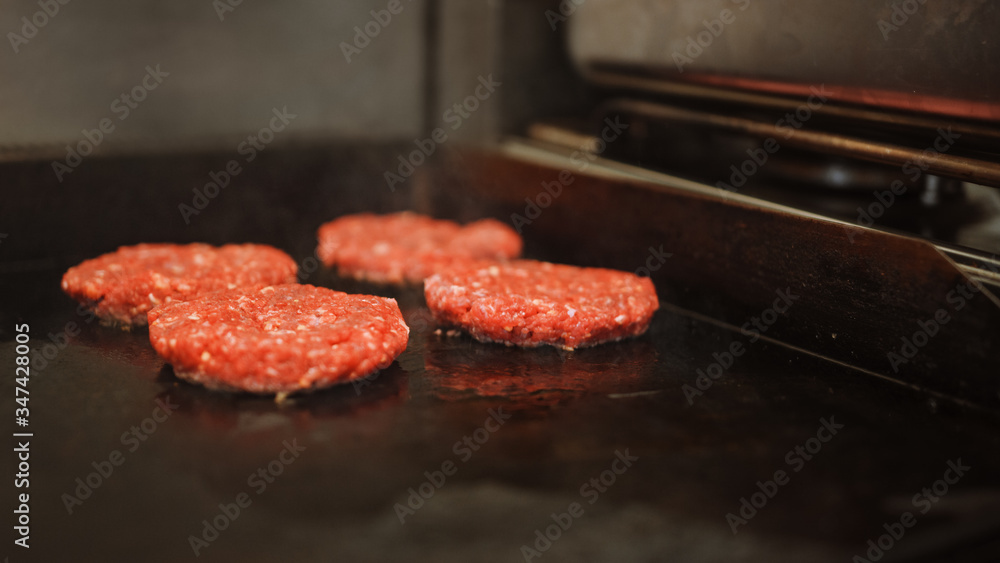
(571,311)
(620,319)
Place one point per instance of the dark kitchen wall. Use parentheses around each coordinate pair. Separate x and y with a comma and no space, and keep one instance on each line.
(199,78)
(224,66)
(210,73)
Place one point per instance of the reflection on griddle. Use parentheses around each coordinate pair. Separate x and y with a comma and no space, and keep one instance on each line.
(130,347)
(245,413)
(460,368)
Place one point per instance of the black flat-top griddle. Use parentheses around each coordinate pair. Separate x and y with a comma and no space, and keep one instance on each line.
(501,441)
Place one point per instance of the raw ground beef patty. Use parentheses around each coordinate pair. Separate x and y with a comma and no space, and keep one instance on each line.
(529,303)
(406,247)
(278,339)
(120,287)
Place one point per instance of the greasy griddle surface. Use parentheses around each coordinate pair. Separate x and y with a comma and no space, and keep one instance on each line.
(569,413)
(366,446)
